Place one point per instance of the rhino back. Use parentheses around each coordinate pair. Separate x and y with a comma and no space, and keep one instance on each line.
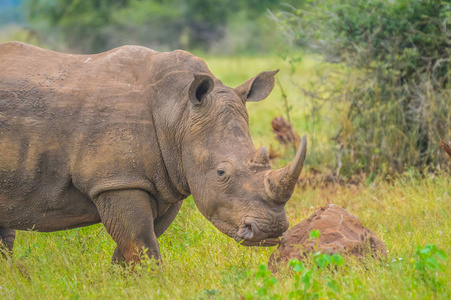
(72,126)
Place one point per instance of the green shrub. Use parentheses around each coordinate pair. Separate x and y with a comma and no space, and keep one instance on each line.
(309,279)
(220,26)
(394,91)
(429,268)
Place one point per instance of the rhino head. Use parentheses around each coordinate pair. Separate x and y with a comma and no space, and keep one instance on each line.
(231,182)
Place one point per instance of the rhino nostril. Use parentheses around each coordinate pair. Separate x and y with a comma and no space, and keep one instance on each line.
(245,232)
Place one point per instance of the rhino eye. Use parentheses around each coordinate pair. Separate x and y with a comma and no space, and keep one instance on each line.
(224,170)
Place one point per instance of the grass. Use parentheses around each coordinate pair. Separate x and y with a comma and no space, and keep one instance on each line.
(202,263)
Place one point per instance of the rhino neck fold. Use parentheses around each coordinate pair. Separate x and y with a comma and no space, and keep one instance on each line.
(168,178)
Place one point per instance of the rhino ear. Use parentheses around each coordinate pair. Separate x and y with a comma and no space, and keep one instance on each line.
(257,88)
(201,86)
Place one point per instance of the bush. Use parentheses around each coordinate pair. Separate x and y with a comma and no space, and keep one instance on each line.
(99,25)
(394,100)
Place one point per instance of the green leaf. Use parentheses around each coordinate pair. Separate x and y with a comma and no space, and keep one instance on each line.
(296,265)
(334,286)
(432,264)
(425,251)
(314,234)
(306,280)
(299,267)
(442,254)
(322,261)
(337,259)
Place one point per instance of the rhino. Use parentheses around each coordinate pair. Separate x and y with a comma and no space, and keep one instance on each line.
(122,138)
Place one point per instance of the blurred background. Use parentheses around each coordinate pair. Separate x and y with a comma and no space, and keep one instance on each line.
(367,81)
(217,27)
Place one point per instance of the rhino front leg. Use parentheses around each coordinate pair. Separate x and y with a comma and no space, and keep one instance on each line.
(7,237)
(160,225)
(128,217)
(118,257)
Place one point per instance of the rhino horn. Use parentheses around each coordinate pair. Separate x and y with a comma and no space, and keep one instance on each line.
(280,183)
(261,156)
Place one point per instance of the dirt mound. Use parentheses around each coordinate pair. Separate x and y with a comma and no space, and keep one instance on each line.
(446,147)
(340,231)
(284,131)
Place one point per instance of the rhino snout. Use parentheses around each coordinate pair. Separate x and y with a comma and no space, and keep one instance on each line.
(245,232)
(251,235)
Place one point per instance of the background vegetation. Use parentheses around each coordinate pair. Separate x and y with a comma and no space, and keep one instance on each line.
(395,95)
(221,26)
(367,81)
(382,67)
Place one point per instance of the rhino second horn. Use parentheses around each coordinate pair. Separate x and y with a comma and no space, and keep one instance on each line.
(261,156)
(280,184)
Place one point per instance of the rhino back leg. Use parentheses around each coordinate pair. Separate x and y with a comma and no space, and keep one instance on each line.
(7,237)
(128,217)
(162,222)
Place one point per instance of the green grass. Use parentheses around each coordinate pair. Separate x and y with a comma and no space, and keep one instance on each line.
(202,263)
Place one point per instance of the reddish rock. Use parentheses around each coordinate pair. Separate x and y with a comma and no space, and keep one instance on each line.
(340,231)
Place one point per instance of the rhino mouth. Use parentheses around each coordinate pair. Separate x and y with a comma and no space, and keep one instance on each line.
(250,235)
(269,242)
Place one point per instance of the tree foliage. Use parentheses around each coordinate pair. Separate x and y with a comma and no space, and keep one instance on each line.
(398,104)
(98,25)
(81,22)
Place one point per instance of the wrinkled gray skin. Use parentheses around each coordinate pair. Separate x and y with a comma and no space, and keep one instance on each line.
(122,137)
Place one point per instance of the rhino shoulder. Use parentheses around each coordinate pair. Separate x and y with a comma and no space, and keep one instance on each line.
(132,51)
(16,45)
(18,48)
